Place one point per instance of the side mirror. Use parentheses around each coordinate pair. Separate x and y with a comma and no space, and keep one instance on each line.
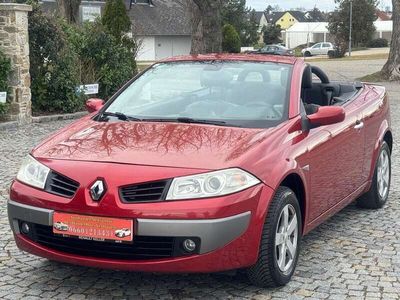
(327,115)
(94,104)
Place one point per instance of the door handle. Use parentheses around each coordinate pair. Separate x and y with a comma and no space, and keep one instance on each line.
(359,125)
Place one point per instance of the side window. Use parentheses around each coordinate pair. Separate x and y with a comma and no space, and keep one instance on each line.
(327,45)
(316,46)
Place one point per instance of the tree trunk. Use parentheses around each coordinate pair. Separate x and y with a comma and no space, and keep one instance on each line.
(391,69)
(69,10)
(197,30)
(207,24)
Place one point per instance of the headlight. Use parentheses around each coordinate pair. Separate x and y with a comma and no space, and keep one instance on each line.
(211,184)
(33,173)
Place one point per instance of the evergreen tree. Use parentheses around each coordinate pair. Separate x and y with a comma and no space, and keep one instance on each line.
(243,19)
(362,23)
(272,34)
(115,18)
(230,39)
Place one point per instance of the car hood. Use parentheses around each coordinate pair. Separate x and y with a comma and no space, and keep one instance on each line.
(155,144)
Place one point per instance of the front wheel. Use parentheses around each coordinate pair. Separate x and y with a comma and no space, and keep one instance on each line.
(378,194)
(280,242)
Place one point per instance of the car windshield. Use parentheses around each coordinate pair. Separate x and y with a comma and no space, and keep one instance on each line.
(244,94)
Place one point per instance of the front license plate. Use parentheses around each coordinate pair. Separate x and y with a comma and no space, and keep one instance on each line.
(93,228)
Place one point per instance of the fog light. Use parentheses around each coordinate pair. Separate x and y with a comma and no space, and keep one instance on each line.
(25,228)
(189,245)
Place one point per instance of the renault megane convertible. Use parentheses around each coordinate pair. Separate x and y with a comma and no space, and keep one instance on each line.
(212,162)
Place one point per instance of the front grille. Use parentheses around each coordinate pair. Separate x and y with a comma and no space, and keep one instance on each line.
(143,247)
(145,192)
(60,185)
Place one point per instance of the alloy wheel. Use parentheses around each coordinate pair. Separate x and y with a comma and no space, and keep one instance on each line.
(383,174)
(286,239)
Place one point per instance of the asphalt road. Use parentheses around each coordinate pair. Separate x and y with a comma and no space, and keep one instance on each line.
(355,255)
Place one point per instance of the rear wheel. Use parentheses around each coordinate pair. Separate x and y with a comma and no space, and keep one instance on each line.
(280,242)
(378,194)
(331,54)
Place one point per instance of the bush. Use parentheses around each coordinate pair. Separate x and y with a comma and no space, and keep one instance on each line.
(53,67)
(378,43)
(115,18)
(103,58)
(5,68)
(272,34)
(231,39)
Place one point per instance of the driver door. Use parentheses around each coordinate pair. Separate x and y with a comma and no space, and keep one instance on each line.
(336,154)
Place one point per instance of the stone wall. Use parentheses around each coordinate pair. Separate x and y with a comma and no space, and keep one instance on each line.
(14,43)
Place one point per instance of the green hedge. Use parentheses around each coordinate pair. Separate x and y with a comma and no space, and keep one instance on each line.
(64,56)
(5,68)
(378,43)
(102,57)
(53,67)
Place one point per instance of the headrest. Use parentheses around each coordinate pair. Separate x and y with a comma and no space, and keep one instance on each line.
(306,82)
(211,78)
(265,75)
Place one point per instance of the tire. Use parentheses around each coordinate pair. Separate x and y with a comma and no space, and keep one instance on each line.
(307,54)
(331,54)
(377,196)
(267,272)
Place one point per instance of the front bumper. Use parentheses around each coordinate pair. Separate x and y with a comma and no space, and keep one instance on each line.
(229,228)
(213,233)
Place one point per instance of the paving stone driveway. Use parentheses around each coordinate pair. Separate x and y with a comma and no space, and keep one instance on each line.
(356,254)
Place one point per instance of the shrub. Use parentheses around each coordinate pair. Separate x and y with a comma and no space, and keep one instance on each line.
(272,34)
(231,39)
(378,43)
(103,58)
(53,67)
(5,68)
(115,18)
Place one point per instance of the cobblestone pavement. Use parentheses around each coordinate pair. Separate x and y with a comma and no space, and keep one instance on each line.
(355,255)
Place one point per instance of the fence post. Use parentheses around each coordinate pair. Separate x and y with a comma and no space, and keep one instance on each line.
(14,42)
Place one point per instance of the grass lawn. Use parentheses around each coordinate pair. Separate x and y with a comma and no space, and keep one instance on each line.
(353,57)
(374,77)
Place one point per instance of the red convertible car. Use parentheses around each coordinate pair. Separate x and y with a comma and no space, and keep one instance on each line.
(212,162)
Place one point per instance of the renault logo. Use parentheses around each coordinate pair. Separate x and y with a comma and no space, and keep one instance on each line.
(98,190)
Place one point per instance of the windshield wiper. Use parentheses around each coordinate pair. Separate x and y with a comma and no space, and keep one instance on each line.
(119,116)
(188,121)
(199,121)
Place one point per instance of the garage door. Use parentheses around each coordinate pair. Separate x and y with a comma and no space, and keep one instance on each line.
(167,46)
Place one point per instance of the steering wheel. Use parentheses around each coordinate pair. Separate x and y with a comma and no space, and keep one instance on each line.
(267,106)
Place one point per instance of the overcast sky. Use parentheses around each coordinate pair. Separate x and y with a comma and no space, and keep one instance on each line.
(288,4)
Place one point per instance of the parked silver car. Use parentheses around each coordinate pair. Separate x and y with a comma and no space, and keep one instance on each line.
(319,49)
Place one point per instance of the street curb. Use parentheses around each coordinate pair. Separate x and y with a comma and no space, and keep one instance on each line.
(8,125)
(43,119)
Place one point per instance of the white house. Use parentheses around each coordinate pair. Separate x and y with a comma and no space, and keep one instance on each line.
(162,28)
(306,32)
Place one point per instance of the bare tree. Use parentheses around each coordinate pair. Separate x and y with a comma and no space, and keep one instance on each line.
(69,10)
(206,26)
(197,30)
(391,69)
